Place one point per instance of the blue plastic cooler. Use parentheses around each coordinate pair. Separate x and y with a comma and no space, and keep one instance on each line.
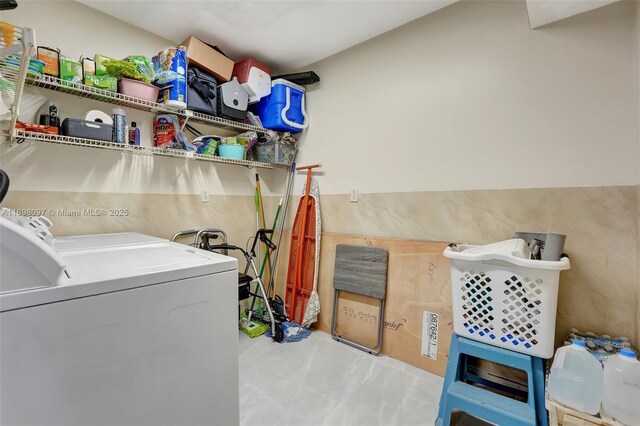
(283,109)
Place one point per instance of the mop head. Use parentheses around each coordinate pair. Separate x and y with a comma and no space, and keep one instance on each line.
(252,328)
(293,332)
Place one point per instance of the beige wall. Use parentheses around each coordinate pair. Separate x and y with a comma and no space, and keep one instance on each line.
(598,292)
(470,98)
(446,124)
(161,215)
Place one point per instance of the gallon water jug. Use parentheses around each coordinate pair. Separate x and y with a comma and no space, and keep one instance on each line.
(576,378)
(621,387)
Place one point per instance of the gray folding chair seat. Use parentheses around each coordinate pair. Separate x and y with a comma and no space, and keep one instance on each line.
(360,270)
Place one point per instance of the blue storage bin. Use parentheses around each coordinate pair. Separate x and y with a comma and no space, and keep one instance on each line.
(283,109)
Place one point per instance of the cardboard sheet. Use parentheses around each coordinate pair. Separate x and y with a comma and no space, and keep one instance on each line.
(417,319)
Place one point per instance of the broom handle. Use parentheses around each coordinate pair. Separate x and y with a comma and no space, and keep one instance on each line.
(272,281)
(262,222)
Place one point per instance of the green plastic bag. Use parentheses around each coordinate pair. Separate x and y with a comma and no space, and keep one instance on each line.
(143,64)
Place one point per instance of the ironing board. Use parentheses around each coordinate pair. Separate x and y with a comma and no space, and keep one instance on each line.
(360,270)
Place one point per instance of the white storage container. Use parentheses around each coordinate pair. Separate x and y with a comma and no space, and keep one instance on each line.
(255,78)
(621,387)
(575,379)
(502,298)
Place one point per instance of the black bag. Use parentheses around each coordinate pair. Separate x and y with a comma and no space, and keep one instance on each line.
(202,90)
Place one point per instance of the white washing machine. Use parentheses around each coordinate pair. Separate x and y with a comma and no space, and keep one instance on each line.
(115,329)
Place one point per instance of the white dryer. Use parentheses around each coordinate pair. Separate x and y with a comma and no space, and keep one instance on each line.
(115,329)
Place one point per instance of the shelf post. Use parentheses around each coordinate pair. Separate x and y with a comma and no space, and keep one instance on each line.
(187,115)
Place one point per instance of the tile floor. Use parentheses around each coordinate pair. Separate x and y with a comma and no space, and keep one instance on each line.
(319,381)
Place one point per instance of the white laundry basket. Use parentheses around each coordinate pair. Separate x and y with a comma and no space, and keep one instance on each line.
(502,298)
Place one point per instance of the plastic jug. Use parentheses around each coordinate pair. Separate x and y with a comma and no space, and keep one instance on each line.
(621,387)
(576,378)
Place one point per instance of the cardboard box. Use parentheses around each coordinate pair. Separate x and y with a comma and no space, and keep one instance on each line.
(418,321)
(204,56)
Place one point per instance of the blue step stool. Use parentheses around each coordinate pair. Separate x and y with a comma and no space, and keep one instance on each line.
(482,403)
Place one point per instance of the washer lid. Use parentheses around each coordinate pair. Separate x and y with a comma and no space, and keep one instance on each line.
(77,242)
(107,269)
(140,260)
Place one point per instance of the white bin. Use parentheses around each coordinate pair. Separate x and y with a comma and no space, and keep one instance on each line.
(504,299)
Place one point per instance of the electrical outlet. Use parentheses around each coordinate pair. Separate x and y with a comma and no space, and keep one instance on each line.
(205,196)
(354,195)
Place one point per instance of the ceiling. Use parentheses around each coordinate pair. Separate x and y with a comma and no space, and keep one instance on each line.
(291,34)
(287,35)
(543,12)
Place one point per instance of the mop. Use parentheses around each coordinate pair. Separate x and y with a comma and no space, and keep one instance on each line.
(293,332)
